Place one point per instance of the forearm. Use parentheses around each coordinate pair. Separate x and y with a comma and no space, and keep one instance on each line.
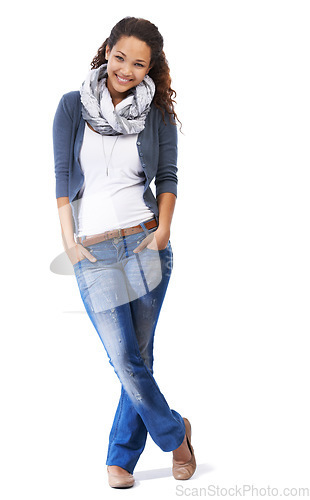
(166,204)
(66,222)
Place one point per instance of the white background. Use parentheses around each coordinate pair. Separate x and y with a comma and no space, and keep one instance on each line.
(231,350)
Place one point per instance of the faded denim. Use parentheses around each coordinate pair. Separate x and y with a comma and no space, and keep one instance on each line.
(123,293)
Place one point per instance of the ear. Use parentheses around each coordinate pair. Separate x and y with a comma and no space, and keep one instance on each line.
(107,52)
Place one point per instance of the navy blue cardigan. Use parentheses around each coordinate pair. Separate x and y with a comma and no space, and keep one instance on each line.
(157,148)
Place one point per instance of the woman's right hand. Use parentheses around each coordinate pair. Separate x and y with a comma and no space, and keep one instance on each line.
(77,252)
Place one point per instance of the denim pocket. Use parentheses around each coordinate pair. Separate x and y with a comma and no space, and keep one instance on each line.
(79,261)
(80,264)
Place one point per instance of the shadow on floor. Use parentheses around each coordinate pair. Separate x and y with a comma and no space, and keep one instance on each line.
(144,475)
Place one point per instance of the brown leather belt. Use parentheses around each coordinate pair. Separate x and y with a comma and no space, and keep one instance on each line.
(116,233)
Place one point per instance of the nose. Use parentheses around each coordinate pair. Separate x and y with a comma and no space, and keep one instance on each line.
(126,70)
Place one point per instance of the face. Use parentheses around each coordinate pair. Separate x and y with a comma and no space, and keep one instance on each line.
(128,63)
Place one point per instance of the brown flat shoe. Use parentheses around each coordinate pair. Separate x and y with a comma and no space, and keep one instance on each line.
(185,471)
(120,481)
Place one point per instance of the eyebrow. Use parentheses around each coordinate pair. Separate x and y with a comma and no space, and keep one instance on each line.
(140,60)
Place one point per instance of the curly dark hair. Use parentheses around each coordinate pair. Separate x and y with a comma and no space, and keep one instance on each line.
(160,73)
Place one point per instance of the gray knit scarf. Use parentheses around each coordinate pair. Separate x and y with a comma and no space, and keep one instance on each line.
(98,109)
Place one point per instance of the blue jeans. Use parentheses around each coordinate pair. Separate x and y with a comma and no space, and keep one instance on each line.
(123,293)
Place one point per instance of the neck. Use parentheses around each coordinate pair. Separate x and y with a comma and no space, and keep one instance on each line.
(117,97)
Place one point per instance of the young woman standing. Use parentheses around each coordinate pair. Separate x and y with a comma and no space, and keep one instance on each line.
(111,139)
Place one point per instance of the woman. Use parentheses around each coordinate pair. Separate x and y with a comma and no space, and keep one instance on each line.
(111,139)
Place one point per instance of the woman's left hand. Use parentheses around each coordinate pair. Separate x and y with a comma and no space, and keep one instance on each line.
(158,240)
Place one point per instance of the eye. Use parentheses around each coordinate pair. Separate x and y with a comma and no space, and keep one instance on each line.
(120,58)
(140,65)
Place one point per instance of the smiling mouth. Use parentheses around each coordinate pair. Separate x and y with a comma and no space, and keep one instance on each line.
(123,80)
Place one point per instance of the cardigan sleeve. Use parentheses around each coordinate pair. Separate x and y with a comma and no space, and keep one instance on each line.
(166,177)
(62,143)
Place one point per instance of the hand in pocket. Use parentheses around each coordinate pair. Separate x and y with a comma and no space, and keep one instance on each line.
(78,252)
(157,240)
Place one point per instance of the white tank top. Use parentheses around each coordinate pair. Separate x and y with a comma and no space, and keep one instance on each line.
(112,194)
